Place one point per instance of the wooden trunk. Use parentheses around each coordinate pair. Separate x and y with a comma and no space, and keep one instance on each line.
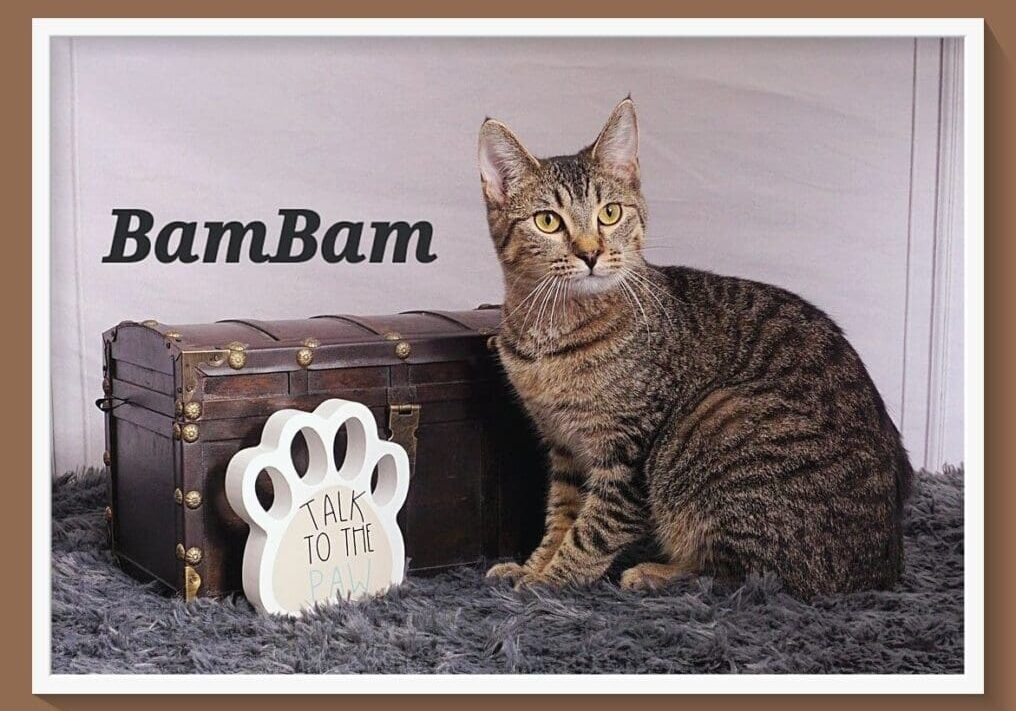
(180,401)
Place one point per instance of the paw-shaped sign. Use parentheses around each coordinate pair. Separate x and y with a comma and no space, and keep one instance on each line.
(330,534)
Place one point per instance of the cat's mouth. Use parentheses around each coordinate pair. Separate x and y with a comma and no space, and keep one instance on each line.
(592,283)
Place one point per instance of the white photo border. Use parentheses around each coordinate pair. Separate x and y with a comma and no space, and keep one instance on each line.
(971,681)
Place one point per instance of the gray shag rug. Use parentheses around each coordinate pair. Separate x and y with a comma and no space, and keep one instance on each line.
(106,622)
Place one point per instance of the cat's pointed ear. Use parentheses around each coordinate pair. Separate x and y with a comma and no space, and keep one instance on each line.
(617,146)
(503,160)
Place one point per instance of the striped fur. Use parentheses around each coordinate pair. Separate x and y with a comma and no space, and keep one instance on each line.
(730,419)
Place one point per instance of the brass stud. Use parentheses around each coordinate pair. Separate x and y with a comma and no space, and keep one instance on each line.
(178,407)
(106,458)
(192,410)
(402,349)
(108,513)
(150,322)
(492,343)
(192,499)
(180,551)
(178,496)
(177,431)
(193,555)
(305,356)
(237,357)
(392,336)
(189,433)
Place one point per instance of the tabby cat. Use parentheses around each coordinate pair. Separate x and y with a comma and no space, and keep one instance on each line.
(729,419)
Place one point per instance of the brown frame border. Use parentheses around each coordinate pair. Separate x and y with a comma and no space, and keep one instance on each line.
(1000,223)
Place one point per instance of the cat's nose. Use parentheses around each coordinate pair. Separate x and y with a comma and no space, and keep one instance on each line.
(590,257)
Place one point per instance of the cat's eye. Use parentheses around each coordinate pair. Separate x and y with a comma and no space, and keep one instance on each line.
(609,214)
(547,221)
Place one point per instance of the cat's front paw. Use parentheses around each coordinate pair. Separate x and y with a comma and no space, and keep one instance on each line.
(636,580)
(533,579)
(507,571)
(649,577)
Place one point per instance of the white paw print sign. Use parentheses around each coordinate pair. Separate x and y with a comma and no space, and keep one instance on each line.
(326,535)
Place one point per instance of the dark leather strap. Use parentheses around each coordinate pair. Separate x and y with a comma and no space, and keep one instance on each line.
(461,318)
(249,324)
(442,315)
(356,321)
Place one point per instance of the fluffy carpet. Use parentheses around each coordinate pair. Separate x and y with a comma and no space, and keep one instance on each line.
(105,622)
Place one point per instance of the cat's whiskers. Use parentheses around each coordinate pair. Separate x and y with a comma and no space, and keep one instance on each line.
(648,287)
(626,293)
(543,307)
(623,283)
(545,278)
(636,279)
(631,303)
(542,289)
(562,286)
(655,288)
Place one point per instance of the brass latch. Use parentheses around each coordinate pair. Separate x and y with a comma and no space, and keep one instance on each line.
(403,421)
(191,583)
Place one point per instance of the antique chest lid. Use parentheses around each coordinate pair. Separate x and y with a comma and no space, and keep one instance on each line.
(325,341)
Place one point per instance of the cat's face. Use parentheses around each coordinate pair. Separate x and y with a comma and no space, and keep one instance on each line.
(579,219)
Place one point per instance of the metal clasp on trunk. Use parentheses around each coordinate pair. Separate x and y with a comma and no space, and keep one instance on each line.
(403,421)
(191,583)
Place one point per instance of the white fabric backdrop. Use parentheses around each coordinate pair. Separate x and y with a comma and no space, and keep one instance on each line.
(786,160)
